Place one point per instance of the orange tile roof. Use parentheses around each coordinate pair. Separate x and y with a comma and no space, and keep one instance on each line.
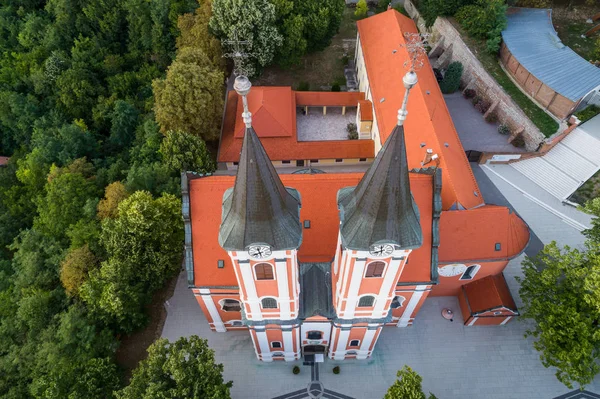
(319,205)
(273,112)
(279,146)
(488,293)
(328,98)
(4,160)
(428,118)
(366,110)
(471,235)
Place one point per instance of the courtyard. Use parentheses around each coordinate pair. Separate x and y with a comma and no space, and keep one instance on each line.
(316,126)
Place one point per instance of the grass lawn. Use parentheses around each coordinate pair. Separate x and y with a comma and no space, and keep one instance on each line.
(543,121)
(320,69)
(570,25)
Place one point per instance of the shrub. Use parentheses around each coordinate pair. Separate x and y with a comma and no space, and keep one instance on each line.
(401,10)
(503,129)
(336,370)
(534,3)
(518,141)
(296,370)
(587,113)
(382,6)
(476,100)
(361,9)
(491,117)
(469,93)
(452,77)
(352,131)
(335,86)
(483,106)
(431,9)
(303,86)
(485,20)
(345,59)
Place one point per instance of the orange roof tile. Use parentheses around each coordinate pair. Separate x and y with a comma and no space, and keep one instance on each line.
(278,146)
(273,112)
(318,195)
(4,160)
(489,293)
(428,118)
(327,98)
(471,235)
(366,110)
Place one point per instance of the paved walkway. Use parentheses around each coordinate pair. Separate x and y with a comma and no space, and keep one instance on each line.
(474,132)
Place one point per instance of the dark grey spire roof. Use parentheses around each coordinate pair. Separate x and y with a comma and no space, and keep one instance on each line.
(381,207)
(259,209)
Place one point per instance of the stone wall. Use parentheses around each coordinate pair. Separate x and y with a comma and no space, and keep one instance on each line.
(448,46)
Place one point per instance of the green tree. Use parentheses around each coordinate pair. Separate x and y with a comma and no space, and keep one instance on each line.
(451,81)
(144,243)
(113,195)
(407,386)
(194,33)
(486,19)
(190,98)
(74,268)
(431,9)
(185,369)
(186,152)
(560,292)
(66,195)
(258,26)
(361,9)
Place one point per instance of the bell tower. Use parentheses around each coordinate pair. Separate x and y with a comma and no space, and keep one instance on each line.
(261,231)
(379,227)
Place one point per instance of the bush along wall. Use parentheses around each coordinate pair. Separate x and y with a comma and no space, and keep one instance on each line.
(451,81)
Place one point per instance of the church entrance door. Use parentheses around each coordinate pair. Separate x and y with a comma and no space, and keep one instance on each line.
(313,349)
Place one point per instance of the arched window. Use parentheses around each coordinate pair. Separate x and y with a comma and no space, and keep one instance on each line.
(269,303)
(355,342)
(366,301)
(375,269)
(264,271)
(230,305)
(397,302)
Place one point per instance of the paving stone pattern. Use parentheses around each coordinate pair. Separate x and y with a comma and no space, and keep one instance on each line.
(318,127)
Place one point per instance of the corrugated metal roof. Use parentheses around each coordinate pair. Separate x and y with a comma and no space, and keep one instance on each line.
(532,40)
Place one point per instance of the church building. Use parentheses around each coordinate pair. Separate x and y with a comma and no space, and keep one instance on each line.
(318,262)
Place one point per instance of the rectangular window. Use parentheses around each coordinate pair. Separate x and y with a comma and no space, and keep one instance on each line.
(339,160)
(375,269)
(362,160)
(300,162)
(314,161)
(275,344)
(264,271)
(286,162)
(354,342)
(236,163)
(314,335)
(470,272)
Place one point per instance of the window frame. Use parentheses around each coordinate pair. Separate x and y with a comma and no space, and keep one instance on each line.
(222,304)
(401,302)
(354,346)
(474,270)
(232,323)
(314,331)
(276,347)
(372,263)
(269,297)
(365,296)
(254,271)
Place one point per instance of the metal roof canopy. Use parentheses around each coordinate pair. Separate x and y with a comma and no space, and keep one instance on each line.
(532,40)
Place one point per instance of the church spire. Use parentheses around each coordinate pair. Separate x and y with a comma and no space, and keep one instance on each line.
(258,209)
(381,208)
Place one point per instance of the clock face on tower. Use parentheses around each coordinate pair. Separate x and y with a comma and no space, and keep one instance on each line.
(452,270)
(381,250)
(259,251)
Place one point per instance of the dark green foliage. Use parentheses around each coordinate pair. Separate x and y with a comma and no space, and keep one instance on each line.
(352,130)
(452,77)
(335,87)
(469,93)
(296,370)
(431,9)
(303,86)
(485,20)
(518,141)
(182,369)
(588,113)
(491,117)
(336,370)
(503,129)
(75,115)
